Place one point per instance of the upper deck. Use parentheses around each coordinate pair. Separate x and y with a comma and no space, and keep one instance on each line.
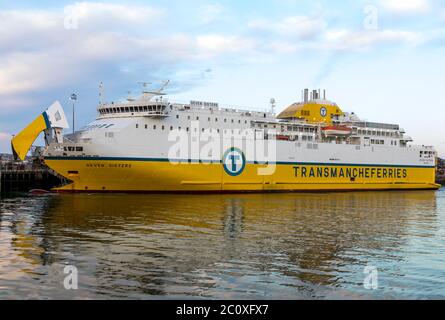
(314,119)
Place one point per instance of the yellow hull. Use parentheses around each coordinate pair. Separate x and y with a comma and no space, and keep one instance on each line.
(98,175)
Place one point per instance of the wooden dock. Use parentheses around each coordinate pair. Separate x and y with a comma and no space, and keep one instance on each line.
(25,180)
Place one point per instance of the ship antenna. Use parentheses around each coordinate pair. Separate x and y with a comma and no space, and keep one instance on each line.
(73,98)
(272,105)
(101,93)
(144,84)
(164,85)
(130,98)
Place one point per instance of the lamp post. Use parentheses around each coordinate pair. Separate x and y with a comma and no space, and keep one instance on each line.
(73,98)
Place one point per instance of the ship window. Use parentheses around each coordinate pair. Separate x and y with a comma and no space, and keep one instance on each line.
(146,126)
(154,127)
(216,119)
(188,118)
(145,108)
(131,109)
(232,120)
(177,116)
(239,121)
(197,118)
(137,125)
(208,119)
(163,127)
(179,128)
(127,109)
(187,129)
(171,128)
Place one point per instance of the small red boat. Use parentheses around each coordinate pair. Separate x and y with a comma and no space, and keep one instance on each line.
(38,192)
(336,130)
(282,137)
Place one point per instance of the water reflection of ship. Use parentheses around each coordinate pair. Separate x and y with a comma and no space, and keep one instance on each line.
(147,240)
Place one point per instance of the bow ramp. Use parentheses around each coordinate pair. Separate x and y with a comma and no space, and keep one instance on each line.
(51,120)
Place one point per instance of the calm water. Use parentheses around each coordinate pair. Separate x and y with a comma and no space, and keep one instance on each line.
(274,246)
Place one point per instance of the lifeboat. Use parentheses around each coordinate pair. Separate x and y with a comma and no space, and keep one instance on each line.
(336,130)
(282,137)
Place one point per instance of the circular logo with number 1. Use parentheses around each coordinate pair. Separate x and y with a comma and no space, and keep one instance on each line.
(234,162)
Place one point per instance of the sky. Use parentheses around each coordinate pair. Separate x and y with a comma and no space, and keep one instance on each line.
(382,59)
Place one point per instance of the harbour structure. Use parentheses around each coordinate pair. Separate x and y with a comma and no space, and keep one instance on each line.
(25,176)
(132,146)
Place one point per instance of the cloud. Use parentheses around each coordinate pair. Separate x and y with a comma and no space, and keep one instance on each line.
(346,40)
(94,15)
(89,42)
(406,6)
(5,136)
(211,13)
(5,141)
(300,27)
(214,44)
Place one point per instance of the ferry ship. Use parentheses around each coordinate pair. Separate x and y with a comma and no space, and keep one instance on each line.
(133,146)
